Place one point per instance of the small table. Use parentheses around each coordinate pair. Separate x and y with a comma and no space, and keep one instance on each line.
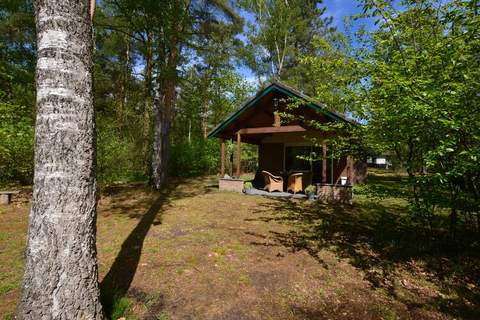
(6,196)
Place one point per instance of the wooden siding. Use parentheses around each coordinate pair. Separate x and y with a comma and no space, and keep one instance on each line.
(270,157)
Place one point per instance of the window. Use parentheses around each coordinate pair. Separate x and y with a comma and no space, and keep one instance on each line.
(301,158)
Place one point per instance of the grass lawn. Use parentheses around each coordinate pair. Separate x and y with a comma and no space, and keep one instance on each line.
(192,252)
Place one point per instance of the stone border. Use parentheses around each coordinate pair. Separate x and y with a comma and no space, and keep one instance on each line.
(334,193)
(235,185)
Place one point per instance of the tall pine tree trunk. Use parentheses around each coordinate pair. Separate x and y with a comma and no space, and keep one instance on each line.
(161,134)
(163,108)
(61,280)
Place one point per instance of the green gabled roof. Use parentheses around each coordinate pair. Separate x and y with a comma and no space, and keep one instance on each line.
(281,88)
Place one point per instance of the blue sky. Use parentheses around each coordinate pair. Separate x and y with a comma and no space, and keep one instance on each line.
(338,9)
(342,8)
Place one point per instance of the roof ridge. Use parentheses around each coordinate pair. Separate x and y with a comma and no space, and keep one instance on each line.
(289,90)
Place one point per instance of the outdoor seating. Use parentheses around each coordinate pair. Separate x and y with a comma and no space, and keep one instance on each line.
(6,196)
(295,182)
(272,182)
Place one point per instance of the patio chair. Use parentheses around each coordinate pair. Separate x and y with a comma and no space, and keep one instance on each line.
(295,182)
(272,182)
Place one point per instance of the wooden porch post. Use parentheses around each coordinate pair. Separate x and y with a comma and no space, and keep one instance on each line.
(231,165)
(324,162)
(239,142)
(223,156)
(350,169)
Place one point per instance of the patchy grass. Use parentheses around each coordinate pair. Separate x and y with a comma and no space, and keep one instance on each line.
(119,308)
(191,252)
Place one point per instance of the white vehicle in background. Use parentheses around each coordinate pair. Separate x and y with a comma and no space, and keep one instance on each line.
(379,161)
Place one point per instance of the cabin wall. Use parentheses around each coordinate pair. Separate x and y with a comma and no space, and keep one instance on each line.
(270,157)
(354,170)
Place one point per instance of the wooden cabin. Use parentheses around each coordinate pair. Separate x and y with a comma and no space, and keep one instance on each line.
(282,143)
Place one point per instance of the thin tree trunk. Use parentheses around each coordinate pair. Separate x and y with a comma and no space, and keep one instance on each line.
(162,116)
(453,223)
(158,172)
(203,122)
(148,102)
(61,278)
(122,94)
(164,103)
(204,114)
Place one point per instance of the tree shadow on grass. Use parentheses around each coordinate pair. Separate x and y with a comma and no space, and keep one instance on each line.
(385,244)
(120,276)
(118,279)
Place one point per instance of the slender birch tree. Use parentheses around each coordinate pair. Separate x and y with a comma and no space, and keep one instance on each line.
(61,278)
(281,33)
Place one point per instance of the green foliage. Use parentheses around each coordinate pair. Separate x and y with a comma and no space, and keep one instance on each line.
(16,143)
(17,62)
(199,111)
(118,155)
(414,80)
(422,94)
(120,307)
(310,189)
(195,158)
(283,31)
(202,156)
(333,71)
(17,52)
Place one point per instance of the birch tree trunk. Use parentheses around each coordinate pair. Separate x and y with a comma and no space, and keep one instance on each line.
(61,278)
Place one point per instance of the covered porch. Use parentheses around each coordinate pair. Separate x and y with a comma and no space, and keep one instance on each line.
(293,151)
(280,151)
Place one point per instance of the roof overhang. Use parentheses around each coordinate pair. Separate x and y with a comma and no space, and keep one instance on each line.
(285,90)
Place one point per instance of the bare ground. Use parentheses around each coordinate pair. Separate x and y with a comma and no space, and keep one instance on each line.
(192,252)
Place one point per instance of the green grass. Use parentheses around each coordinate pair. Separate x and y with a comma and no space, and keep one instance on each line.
(163,316)
(9,316)
(4,289)
(120,307)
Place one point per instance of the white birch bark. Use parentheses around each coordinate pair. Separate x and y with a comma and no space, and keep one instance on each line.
(61,278)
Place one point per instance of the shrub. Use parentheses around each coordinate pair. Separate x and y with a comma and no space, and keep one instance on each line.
(195,158)
(16,143)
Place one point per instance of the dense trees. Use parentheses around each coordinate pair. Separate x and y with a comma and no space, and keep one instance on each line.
(163,43)
(61,279)
(423,102)
(413,82)
(142,49)
(17,63)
